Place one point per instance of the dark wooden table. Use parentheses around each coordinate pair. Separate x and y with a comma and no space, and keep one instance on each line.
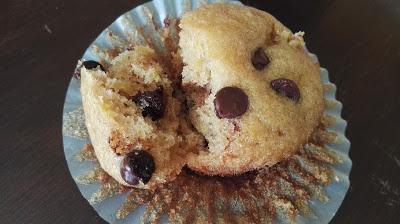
(358,41)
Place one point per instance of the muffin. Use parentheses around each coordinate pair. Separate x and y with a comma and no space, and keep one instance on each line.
(133,119)
(248,97)
(253,91)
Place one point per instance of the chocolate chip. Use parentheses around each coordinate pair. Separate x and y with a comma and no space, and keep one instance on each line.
(137,165)
(230,102)
(88,65)
(259,59)
(92,65)
(286,87)
(151,103)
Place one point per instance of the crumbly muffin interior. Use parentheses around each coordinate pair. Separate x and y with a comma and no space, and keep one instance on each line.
(131,82)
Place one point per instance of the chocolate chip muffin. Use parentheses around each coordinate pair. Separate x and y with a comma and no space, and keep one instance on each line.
(249,96)
(253,91)
(135,124)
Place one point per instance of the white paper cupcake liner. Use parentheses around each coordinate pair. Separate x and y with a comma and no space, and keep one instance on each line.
(125,28)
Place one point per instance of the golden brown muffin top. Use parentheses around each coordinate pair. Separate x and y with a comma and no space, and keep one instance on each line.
(225,45)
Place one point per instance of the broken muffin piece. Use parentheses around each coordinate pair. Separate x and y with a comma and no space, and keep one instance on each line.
(134,122)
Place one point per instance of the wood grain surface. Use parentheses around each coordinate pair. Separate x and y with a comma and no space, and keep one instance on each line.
(358,41)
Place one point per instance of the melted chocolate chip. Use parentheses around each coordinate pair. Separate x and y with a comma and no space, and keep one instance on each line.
(137,165)
(286,87)
(259,59)
(230,102)
(151,103)
(92,65)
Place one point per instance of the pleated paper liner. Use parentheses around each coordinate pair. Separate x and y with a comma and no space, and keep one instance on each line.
(306,188)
